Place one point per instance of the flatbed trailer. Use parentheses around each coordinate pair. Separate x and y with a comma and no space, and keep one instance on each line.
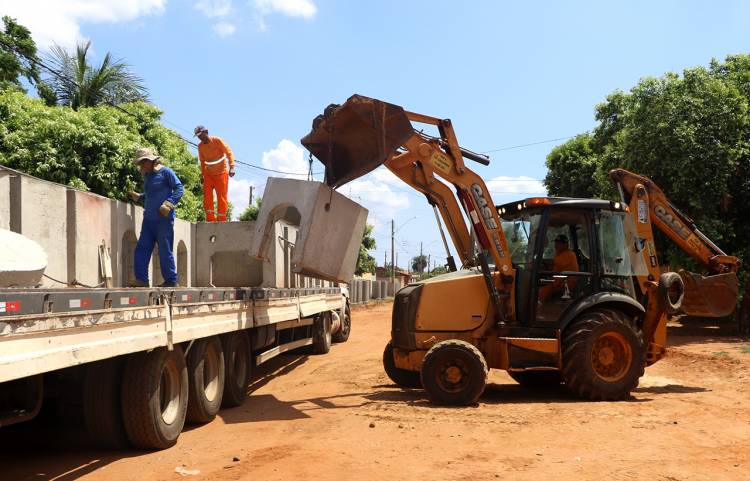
(146,360)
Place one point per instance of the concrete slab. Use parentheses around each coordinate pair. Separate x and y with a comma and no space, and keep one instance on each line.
(222,255)
(22,261)
(330,232)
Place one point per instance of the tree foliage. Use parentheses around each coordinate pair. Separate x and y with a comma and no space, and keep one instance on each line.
(92,148)
(689,133)
(80,84)
(17,56)
(419,263)
(366,262)
(251,211)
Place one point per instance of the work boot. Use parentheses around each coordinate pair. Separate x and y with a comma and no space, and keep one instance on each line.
(169,284)
(139,283)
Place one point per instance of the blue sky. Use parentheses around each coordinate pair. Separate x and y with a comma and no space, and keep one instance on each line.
(507,73)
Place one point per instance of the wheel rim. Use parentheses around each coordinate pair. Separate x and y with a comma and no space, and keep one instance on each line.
(211,372)
(611,356)
(239,364)
(453,375)
(169,393)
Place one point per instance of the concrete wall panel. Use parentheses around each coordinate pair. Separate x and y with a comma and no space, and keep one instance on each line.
(221,254)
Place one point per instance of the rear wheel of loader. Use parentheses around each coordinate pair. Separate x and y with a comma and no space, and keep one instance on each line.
(743,321)
(536,379)
(603,355)
(402,377)
(454,373)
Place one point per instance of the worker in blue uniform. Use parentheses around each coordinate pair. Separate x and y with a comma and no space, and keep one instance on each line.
(162,191)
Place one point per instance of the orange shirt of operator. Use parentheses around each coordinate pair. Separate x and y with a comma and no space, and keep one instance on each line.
(565,260)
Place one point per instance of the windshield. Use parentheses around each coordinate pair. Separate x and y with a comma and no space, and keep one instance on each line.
(520,232)
(620,257)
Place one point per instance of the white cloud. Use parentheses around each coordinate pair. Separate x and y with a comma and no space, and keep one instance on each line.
(382,174)
(379,198)
(286,157)
(292,8)
(214,8)
(521,185)
(60,21)
(224,29)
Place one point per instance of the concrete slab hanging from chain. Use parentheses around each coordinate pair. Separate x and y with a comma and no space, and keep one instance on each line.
(330,227)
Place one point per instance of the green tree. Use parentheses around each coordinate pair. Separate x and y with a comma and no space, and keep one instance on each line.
(571,168)
(80,84)
(92,148)
(17,55)
(366,262)
(251,211)
(690,133)
(419,263)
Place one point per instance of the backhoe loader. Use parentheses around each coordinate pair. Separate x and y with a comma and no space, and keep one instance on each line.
(714,295)
(514,304)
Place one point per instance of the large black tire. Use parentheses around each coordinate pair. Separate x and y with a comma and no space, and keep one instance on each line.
(604,355)
(102,406)
(205,363)
(537,379)
(454,373)
(342,335)
(154,397)
(671,292)
(238,361)
(402,377)
(321,331)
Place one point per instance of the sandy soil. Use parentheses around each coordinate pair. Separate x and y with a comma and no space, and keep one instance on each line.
(338,417)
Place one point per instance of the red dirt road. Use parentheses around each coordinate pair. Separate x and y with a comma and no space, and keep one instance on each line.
(338,417)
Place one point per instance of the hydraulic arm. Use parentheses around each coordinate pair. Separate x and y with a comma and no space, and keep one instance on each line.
(355,138)
(714,295)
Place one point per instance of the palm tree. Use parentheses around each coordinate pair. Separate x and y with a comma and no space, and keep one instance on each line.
(78,84)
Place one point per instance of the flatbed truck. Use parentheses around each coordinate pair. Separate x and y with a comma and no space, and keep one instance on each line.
(145,361)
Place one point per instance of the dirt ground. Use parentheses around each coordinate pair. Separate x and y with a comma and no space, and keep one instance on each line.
(338,417)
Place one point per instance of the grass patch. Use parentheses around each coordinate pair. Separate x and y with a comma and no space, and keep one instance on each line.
(720,354)
(745,349)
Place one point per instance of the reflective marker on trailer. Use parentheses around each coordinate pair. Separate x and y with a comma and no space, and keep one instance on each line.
(10,306)
(124,301)
(79,303)
(186,297)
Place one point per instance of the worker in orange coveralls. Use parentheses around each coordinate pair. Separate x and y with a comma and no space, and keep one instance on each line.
(214,154)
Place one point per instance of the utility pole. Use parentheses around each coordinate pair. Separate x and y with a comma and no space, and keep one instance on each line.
(429,259)
(251,196)
(393,250)
(421,268)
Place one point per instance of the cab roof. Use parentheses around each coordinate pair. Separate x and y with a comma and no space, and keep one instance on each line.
(560,202)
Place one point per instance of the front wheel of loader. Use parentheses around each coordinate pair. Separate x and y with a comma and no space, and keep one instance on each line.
(603,355)
(402,377)
(454,373)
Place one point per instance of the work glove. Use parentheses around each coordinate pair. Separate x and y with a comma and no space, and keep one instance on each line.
(231,172)
(134,195)
(165,208)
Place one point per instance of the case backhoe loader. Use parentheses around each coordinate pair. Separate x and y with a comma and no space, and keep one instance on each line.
(514,304)
(712,295)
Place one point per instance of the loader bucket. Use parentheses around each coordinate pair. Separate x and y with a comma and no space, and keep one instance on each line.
(710,296)
(355,138)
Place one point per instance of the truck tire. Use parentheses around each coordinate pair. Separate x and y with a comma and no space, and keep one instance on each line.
(536,379)
(205,365)
(154,397)
(238,361)
(102,405)
(342,335)
(671,292)
(743,320)
(402,377)
(603,355)
(454,373)
(321,331)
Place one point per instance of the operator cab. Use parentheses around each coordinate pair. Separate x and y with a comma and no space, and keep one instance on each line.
(565,250)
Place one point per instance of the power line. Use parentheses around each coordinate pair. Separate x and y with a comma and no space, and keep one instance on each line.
(501,149)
